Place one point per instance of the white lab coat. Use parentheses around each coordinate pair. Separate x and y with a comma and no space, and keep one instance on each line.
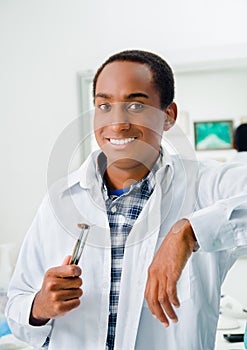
(220,227)
(240,157)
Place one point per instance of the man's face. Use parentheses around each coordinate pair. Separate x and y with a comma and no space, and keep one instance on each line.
(128,121)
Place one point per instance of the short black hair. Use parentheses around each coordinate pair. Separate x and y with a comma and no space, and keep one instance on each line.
(163,78)
(240,138)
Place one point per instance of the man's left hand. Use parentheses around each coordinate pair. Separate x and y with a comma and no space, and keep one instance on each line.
(165,270)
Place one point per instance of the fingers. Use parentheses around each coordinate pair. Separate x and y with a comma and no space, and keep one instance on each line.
(151,296)
(67,260)
(166,303)
(172,292)
(66,295)
(166,269)
(58,283)
(69,305)
(60,293)
(159,301)
(64,271)
(63,301)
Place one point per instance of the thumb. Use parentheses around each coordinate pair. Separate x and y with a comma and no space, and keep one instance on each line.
(66,260)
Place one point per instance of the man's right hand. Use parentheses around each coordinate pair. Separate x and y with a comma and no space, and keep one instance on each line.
(59,294)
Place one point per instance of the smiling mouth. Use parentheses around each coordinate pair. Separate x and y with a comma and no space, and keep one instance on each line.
(122,141)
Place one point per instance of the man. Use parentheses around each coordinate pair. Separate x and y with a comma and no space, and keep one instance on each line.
(148,212)
(240,143)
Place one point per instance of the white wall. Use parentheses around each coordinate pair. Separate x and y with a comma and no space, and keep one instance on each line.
(212,94)
(42,49)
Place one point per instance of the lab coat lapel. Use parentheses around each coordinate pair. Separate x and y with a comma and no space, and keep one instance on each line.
(139,251)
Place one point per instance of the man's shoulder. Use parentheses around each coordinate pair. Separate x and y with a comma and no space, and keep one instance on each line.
(198,170)
(180,163)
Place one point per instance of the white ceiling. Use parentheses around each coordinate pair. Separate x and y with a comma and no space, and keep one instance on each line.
(183,31)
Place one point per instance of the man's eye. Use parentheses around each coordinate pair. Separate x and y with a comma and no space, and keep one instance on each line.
(136,106)
(105,107)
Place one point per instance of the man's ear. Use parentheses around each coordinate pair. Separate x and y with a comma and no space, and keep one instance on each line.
(170,116)
(234,145)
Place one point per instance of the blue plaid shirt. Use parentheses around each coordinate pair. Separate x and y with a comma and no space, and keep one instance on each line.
(123,210)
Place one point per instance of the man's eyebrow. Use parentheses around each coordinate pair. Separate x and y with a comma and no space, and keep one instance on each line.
(136,95)
(128,97)
(102,95)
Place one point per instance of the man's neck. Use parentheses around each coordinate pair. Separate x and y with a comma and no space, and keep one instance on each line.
(117,178)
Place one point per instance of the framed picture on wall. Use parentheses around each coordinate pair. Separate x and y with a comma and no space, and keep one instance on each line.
(213,135)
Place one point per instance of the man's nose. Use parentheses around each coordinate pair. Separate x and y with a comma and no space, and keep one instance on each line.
(120,119)
(120,126)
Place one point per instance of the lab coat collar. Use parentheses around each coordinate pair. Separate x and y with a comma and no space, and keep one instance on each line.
(88,171)
(84,176)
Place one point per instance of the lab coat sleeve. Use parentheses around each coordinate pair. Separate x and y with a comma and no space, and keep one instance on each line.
(25,283)
(221,222)
(222,225)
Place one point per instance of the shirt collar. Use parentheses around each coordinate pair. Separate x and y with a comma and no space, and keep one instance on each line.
(148,180)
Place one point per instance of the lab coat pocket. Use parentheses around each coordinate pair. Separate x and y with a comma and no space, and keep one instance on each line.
(183,285)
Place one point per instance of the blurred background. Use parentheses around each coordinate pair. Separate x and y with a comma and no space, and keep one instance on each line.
(50,50)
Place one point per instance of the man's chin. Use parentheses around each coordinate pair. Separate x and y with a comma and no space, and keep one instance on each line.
(136,158)
(124,163)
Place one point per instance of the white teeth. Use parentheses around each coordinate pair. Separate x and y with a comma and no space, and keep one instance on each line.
(122,141)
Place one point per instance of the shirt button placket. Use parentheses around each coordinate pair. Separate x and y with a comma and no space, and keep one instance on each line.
(114,209)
